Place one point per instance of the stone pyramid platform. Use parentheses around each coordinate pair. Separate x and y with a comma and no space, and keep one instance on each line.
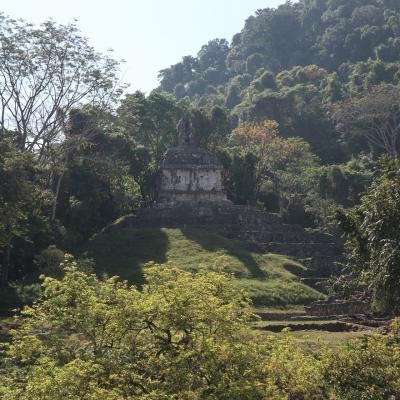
(263,231)
(190,192)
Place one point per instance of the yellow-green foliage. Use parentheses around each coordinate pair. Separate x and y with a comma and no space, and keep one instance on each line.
(368,366)
(127,251)
(184,336)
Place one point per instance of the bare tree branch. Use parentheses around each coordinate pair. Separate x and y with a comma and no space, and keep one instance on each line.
(44,73)
(375,113)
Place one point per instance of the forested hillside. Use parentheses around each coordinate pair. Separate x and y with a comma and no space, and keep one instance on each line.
(292,63)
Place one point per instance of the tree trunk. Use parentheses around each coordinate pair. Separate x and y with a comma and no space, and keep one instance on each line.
(281,202)
(5,267)
(54,209)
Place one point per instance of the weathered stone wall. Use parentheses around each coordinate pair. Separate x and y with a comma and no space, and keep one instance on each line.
(191,179)
(338,307)
(216,216)
(190,174)
(191,197)
(263,231)
(191,183)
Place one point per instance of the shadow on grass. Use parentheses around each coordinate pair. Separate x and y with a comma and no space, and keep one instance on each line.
(213,242)
(124,252)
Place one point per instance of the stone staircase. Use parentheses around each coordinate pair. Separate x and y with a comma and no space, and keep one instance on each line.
(319,253)
(263,231)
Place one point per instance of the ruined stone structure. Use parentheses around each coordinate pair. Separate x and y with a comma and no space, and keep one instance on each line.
(191,194)
(265,232)
(338,307)
(189,174)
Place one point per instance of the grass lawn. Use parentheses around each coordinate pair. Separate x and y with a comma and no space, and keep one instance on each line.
(316,338)
(284,309)
(294,321)
(265,277)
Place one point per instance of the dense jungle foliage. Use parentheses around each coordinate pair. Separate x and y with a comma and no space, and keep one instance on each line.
(302,109)
(298,108)
(183,336)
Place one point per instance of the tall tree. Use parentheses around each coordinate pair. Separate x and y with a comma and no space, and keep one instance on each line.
(16,190)
(149,121)
(375,113)
(45,72)
(373,242)
(282,163)
(256,138)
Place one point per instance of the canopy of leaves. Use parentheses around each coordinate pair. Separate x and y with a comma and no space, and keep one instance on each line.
(373,242)
(183,336)
(46,71)
(372,117)
(287,64)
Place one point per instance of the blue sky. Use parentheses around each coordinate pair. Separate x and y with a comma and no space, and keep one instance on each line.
(148,34)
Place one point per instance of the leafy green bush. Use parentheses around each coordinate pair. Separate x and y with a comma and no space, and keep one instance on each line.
(49,260)
(184,336)
(364,369)
(373,241)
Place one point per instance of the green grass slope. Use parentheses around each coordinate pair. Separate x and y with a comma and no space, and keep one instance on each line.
(265,277)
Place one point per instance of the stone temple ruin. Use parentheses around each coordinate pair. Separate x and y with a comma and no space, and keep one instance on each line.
(190,174)
(190,193)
